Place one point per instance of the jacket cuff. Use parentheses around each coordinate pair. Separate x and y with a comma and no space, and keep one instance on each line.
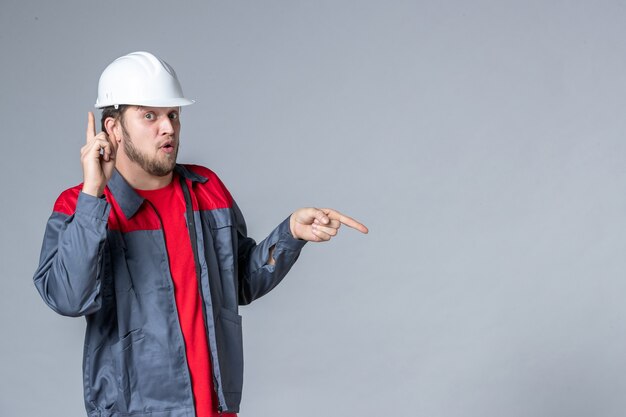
(94,207)
(286,241)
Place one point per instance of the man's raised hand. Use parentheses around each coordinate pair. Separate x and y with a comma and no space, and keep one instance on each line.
(320,225)
(97,158)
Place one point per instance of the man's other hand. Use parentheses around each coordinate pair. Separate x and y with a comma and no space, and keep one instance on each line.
(97,158)
(320,225)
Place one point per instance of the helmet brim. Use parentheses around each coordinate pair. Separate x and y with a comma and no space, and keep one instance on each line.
(171,102)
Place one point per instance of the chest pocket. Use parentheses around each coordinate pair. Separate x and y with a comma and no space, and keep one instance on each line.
(220,225)
(220,253)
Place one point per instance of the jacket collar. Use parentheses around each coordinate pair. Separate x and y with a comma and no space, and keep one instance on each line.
(128,199)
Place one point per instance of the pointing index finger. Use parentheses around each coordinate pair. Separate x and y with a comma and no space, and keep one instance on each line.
(348,221)
(91,126)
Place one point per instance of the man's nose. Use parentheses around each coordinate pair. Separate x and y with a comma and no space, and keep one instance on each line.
(167,126)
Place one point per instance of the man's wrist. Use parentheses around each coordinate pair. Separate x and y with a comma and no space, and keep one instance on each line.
(91,190)
(292,223)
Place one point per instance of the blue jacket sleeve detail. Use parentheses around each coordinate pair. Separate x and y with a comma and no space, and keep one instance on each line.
(256,277)
(70,264)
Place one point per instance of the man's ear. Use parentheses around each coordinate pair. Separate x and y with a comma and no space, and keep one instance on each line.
(113,128)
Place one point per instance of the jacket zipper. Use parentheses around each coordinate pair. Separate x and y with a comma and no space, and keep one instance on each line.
(175,307)
(191,227)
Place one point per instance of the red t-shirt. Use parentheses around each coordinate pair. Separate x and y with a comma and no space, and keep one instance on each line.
(169,203)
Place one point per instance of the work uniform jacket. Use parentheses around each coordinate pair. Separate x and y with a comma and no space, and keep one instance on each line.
(106,259)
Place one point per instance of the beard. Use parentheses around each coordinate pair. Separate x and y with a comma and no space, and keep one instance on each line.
(153,166)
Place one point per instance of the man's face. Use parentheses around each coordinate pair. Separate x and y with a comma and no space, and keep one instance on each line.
(150,137)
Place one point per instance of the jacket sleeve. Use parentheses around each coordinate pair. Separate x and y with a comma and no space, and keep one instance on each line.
(256,277)
(68,276)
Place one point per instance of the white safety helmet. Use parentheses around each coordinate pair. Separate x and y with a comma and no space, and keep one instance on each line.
(140,79)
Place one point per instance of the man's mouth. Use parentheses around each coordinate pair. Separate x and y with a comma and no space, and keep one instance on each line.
(167,147)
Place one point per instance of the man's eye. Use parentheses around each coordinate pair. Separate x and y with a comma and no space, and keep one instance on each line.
(149,116)
(173,116)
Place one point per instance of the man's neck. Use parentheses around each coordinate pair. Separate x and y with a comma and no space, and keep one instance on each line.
(140,179)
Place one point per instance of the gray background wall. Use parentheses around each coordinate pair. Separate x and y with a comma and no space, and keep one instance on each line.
(481,142)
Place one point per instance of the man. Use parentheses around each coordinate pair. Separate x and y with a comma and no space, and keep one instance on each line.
(155,255)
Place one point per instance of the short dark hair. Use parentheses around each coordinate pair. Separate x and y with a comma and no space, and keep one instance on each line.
(111,111)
